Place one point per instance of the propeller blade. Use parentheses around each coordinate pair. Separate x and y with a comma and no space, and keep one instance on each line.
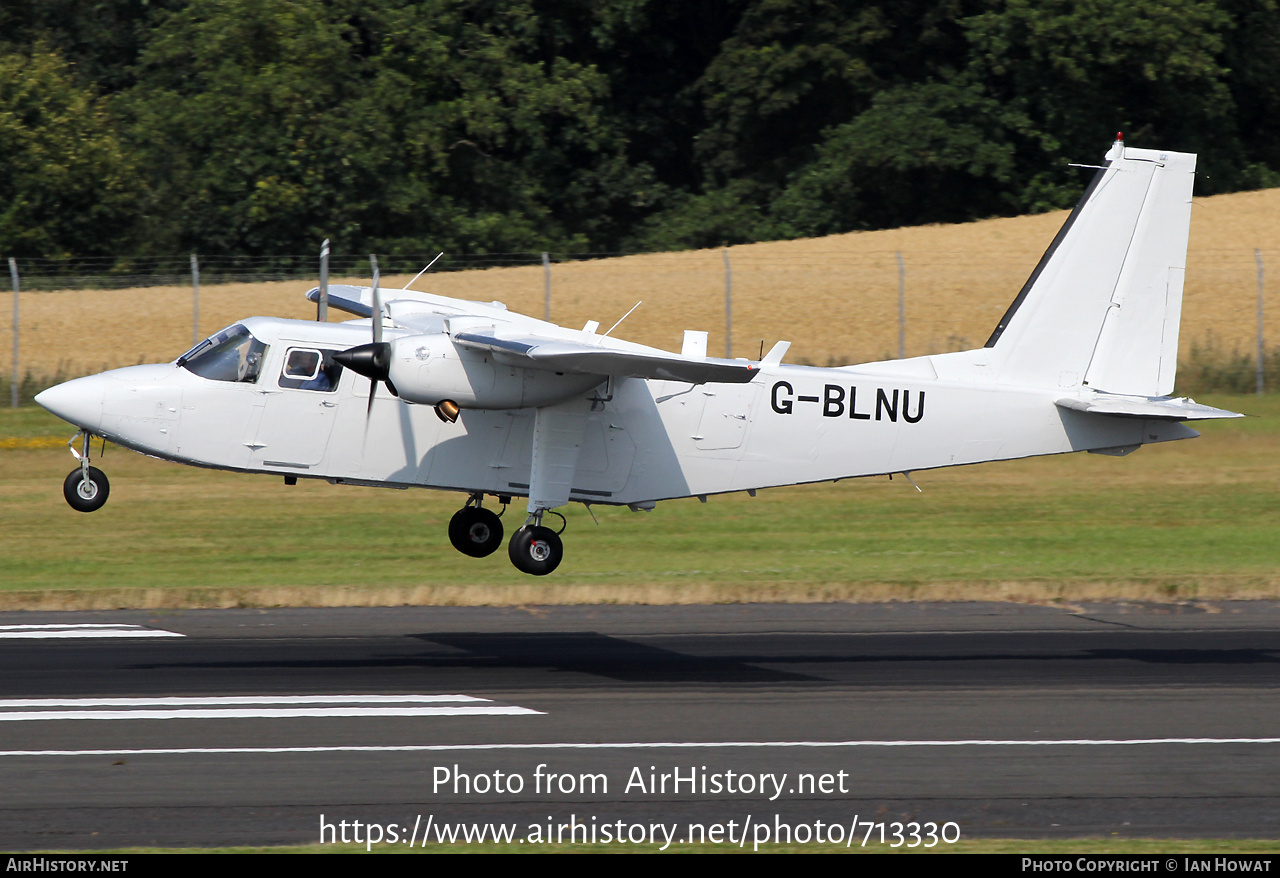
(373,360)
(377,303)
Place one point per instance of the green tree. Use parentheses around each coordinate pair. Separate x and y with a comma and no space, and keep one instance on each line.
(792,73)
(1252,56)
(392,125)
(67,186)
(825,117)
(100,38)
(1080,70)
(939,151)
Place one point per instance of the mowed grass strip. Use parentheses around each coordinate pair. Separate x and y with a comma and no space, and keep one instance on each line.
(1191,520)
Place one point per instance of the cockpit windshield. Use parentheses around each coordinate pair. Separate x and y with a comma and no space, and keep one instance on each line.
(231,355)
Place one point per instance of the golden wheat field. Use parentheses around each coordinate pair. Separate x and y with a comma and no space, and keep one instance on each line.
(835,298)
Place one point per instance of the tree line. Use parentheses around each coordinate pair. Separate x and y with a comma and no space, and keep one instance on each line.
(131,128)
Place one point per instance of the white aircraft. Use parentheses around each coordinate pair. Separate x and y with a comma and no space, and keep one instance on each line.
(433,392)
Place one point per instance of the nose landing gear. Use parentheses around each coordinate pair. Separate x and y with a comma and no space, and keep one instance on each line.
(86,487)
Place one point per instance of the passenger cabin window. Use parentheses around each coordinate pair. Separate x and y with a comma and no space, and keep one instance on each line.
(310,369)
(231,355)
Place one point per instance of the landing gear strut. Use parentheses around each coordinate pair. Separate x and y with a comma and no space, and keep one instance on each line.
(475,531)
(86,487)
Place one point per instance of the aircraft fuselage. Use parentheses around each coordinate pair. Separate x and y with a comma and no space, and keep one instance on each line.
(653,440)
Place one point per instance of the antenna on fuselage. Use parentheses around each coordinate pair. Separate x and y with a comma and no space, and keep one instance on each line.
(425,270)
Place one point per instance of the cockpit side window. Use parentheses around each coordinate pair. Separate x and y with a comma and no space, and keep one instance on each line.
(231,355)
(310,369)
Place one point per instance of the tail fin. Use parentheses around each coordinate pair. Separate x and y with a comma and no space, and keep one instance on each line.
(1103,306)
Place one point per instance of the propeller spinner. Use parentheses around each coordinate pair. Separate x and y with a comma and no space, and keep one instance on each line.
(373,361)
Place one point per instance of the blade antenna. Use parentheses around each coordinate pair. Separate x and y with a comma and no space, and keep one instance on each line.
(425,270)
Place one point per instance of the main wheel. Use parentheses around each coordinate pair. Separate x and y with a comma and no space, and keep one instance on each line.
(474,531)
(86,495)
(535,550)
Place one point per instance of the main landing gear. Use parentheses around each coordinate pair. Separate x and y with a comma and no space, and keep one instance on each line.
(476,531)
(533,549)
(86,487)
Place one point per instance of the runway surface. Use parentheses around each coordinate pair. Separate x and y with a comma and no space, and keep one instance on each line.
(249,727)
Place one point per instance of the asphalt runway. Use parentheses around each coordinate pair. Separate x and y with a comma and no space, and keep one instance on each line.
(265,727)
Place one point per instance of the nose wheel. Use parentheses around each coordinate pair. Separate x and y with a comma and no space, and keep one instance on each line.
(85,487)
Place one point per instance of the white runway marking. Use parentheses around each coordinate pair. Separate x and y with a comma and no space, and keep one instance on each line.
(80,631)
(207,700)
(634,745)
(251,707)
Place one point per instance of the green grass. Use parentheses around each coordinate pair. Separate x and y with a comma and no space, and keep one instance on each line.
(1195,519)
(31,421)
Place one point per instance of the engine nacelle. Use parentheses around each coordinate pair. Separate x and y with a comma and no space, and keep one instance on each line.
(430,369)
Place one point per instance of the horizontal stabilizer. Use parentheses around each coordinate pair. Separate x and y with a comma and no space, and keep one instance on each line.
(1171,408)
(569,356)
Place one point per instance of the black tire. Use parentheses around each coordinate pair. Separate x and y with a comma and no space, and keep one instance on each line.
(535,550)
(475,532)
(86,496)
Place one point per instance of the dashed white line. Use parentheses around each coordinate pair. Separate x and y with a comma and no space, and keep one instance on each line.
(178,700)
(251,707)
(80,631)
(262,713)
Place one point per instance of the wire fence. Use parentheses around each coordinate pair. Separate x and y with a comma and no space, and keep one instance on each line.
(864,303)
(110,273)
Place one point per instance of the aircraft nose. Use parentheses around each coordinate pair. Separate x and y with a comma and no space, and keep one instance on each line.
(78,401)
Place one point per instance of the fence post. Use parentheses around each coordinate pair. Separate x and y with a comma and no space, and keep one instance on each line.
(546,287)
(902,308)
(14,379)
(728,307)
(195,300)
(1257,255)
(322,305)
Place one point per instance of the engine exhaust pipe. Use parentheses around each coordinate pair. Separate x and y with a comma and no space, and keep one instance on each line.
(447,410)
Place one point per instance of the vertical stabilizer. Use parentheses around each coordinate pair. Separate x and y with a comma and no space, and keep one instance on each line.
(1103,306)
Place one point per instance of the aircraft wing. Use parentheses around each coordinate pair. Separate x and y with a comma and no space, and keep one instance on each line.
(1177,409)
(569,356)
